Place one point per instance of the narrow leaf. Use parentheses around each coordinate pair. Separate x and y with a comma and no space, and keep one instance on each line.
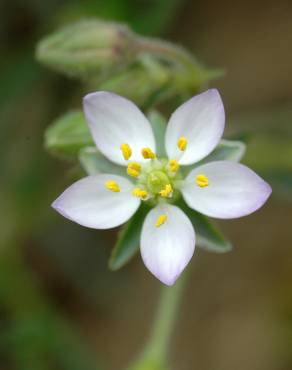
(128,241)
(207,235)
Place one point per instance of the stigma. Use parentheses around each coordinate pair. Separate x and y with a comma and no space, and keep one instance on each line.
(202,181)
(182,143)
(126,151)
(161,220)
(112,186)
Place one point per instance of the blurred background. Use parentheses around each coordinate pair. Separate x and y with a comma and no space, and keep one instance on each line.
(60,306)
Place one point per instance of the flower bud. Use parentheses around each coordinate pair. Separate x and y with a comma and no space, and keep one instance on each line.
(86,48)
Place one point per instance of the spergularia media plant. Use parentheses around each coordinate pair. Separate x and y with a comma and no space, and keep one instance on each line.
(220,189)
(162,181)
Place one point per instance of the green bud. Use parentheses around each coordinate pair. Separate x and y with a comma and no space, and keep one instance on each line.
(86,48)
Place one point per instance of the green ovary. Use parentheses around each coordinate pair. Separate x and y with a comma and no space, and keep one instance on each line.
(156,181)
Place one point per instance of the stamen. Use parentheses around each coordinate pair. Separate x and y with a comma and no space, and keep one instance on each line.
(126,150)
(161,220)
(140,193)
(182,143)
(112,186)
(148,153)
(173,165)
(167,191)
(134,169)
(202,181)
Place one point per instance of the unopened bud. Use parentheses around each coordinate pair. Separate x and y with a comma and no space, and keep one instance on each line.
(86,48)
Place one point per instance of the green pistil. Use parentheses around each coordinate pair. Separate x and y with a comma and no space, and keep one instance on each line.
(156,181)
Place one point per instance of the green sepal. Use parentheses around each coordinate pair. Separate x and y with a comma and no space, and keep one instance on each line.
(230,150)
(128,242)
(158,123)
(207,235)
(93,162)
(227,150)
(68,134)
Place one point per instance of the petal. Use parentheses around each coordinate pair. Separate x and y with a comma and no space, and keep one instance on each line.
(167,249)
(233,191)
(114,120)
(89,203)
(201,121)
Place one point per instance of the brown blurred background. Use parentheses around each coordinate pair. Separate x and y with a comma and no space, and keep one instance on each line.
(60,307)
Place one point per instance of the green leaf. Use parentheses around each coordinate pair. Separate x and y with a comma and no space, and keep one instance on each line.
(93,162)
(228,150)
(68,134)
(207,235)
(129,240)
(158,123)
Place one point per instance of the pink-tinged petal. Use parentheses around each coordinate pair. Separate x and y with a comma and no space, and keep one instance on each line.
(166,250)
(234,190)
(114,120)
(201,121)
(89,203)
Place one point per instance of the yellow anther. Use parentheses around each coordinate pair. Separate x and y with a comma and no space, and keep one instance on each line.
(148,153)
(134,169)
(140,193)
(167,191)
(202,181)
(173,165)
(182,143)
(126,150)
(112,186)
(160,220)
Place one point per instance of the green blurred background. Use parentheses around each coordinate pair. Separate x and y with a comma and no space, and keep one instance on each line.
(60,307)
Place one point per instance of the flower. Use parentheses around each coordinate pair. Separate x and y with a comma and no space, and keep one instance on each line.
(220,189)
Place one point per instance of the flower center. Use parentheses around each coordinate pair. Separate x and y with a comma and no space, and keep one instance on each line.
(154,180)
(157,181)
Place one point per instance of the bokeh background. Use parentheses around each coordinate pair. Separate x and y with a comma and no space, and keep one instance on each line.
(60,306)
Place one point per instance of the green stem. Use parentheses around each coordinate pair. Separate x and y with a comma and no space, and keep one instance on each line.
(155,354)
(190,75)
(168,51)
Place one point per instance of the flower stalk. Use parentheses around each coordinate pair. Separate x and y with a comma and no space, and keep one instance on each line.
(155,354)
(195,74)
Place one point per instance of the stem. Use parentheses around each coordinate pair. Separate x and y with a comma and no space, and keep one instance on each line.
(191,75)
(155,354)
(167,51)
(166,317)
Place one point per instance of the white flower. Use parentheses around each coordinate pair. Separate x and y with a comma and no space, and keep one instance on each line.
(221,189)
